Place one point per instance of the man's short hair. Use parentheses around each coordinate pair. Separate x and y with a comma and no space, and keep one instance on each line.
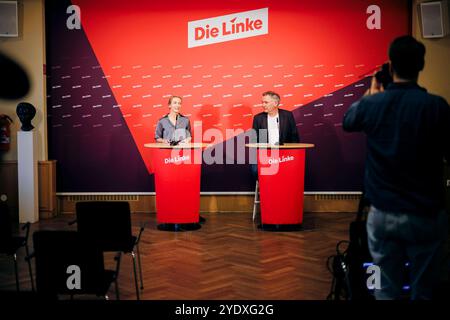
(407,57)
(273,95)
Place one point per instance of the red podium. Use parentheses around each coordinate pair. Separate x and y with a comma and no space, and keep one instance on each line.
(281,175)
(177,184)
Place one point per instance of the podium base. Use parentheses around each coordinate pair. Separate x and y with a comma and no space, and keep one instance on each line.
(178,227)
(281,227)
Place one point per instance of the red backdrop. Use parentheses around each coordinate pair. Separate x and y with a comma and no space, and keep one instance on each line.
(312,48)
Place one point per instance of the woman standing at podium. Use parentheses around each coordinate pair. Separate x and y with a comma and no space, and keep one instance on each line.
(173,127)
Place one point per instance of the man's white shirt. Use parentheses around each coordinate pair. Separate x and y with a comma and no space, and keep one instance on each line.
(273,129)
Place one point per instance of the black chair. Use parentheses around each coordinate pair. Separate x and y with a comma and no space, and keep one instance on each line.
(57,255)
(108,225)
(10,244)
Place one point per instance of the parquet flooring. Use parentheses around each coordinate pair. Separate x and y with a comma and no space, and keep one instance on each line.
(228,258)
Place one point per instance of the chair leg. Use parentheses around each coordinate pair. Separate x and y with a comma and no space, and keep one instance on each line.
(30,269)
(140,267)
(256,200)
(133,255)
(116,282)
(16,271)
(116,285)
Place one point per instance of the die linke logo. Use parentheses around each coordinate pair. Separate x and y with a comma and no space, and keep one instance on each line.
(176,159)
(229,27)
(281,160)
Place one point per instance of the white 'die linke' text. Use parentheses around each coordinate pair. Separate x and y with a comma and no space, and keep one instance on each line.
(280,160)
(176,159)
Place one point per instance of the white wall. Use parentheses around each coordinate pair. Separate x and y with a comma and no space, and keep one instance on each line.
(29,51)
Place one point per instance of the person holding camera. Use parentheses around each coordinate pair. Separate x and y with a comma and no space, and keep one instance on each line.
(173,128)
(408,138)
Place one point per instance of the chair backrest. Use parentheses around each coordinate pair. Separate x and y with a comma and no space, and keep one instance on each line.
(55,252)
(107,223)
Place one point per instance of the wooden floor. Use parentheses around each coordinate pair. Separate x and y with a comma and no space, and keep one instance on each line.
(228,258)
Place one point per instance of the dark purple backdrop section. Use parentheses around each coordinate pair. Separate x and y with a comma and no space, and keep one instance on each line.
(337,161)
(94,155)
(91,156)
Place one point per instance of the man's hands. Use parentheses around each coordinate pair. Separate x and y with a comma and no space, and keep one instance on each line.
(375,87)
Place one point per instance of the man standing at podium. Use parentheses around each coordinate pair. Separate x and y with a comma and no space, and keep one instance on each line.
(273,125)
(408,136)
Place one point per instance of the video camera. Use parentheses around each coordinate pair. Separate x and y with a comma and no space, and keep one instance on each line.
(383,76)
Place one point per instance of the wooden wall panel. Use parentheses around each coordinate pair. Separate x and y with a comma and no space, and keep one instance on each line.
(8,186)
(47,188)
(215,203)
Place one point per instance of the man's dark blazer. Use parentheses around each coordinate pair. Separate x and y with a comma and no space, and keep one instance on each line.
(288,129)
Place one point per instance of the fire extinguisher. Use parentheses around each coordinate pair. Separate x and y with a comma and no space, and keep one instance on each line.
(5,132)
